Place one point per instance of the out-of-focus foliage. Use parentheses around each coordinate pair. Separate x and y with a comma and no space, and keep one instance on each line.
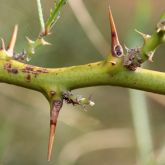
(24,114)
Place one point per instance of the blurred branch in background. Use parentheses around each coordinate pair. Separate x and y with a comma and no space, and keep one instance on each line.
(40,14)
(142,127)
(94,141)
(138,102)
(88,25)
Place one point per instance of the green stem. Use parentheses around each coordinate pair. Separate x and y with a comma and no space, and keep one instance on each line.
(41,18)
(69,78)
(151,44)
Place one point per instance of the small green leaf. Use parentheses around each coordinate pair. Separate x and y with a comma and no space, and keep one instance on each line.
(54,14)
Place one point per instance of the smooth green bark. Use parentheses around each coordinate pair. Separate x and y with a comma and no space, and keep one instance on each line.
(69,78)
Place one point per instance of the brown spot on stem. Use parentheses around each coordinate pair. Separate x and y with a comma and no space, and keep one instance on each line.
(44,70)
(9,68)
(89,65)
(27,69)
(38,71)
(32,70)
(52,93)
(14,70)
(28,77)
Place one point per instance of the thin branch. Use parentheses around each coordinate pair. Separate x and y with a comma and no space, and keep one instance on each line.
(93,74)
(40,14)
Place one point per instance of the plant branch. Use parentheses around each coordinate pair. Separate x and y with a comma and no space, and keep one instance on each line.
(112,71)
(40,14)
(69,78)
(55,83)
(54,15)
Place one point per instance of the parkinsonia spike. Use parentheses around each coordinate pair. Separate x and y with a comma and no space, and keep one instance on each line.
(13,39)
(2,44)
(55,109)
(117,49)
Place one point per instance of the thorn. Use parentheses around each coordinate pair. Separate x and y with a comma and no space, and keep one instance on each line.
(51,140)
(145,36)
(117,49)
(3,44)
(126,48)
(30,41)
(43,42)
(53,122)
(150,56)
(161,26)
(113,62)
(12,42)
(158,30)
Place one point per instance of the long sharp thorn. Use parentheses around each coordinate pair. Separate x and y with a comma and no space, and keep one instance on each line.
(117,49)
(13,40)
(56,106)
(3,44)
(51,139)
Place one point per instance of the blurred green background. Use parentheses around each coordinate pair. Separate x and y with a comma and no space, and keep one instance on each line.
(105,133)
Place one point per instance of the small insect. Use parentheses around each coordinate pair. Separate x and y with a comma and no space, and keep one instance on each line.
(117,49)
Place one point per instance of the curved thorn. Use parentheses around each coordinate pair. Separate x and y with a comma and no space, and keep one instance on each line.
(13,39)
(117,49)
